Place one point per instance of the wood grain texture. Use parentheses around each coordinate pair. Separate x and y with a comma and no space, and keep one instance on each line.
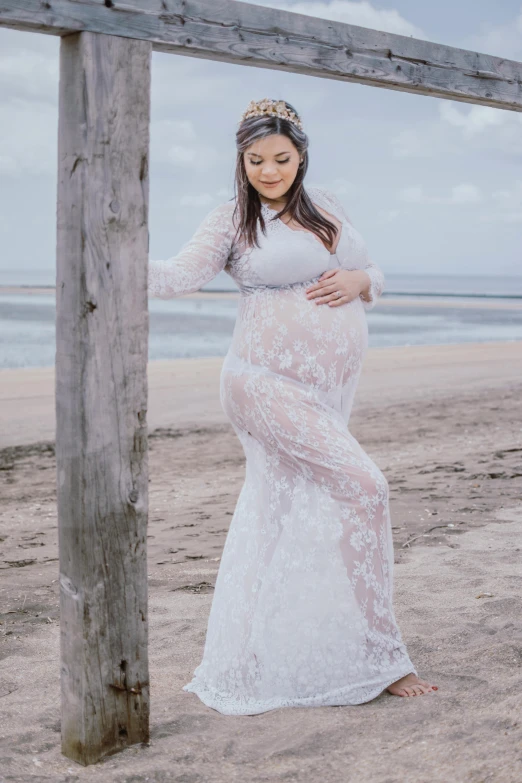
(253,35)
(101,391)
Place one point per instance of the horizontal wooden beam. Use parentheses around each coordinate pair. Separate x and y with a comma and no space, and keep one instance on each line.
(263,37)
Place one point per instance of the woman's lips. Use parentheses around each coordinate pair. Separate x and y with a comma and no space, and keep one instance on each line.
(270,184)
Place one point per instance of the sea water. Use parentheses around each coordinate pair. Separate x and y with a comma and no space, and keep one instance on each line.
(197,327)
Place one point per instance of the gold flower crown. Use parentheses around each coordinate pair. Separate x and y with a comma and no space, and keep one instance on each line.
(271,108)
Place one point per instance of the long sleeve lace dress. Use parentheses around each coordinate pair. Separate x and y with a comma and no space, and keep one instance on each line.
(302,610)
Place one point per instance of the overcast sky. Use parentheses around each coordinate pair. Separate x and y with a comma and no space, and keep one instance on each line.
(434,186)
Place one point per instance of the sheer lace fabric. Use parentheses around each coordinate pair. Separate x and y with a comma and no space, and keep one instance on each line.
(302,612)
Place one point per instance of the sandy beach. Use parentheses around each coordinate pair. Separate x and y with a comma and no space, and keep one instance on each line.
(444,423)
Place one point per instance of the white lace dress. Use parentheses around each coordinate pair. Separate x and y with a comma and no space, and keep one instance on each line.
(302,610)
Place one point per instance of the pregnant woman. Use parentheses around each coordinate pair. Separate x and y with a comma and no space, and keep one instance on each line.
(302,611)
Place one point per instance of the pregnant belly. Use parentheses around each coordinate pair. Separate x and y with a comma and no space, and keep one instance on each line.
(280,331)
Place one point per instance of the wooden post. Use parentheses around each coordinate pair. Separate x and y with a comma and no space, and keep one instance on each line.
(101,391)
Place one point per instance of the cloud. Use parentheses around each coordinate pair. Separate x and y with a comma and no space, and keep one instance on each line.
(476,119)
(206,199)
(29,67)
(195,107)
(339,186)
(342,187)
(460,129)
(464,193)
(29,132)
(224,193)
(200,200)
(507,205)
(389,215)
(363,14)
(412,195)
(484,128)
(28,103)
(510,216)
(179,81)
(412,143)
(470,128)
(511,196)
(504,40)
(176,142)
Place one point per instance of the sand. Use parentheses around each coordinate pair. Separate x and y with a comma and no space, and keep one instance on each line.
(445,425)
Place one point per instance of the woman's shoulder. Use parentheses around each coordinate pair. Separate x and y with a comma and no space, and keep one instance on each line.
(220,217)
(326,198)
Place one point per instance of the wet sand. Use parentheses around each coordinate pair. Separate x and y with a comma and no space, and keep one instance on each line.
(444,423)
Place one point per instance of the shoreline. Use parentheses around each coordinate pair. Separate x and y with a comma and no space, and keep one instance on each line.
(396,299)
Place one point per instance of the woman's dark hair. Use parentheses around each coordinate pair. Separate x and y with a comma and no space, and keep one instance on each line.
(298,205)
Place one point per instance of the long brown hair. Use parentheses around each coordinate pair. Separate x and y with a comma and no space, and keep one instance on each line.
(300,207)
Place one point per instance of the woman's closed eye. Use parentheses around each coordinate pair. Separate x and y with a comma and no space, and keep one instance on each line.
(258,162)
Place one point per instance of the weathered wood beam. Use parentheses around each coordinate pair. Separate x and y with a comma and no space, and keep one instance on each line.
(101,391)
(253,35)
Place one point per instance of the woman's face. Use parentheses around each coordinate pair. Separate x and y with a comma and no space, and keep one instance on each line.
(271,165)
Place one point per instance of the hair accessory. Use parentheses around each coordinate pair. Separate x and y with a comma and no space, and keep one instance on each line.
(271,108)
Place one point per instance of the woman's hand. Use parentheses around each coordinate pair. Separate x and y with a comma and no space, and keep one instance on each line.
(350,282)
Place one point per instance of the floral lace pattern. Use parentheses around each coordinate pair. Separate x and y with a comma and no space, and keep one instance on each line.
(302,611)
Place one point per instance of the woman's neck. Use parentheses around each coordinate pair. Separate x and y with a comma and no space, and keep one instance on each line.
(277,203)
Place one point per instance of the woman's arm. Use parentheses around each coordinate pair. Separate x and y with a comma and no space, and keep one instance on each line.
(370,294)
(366,283)
(358,255)
(199,260)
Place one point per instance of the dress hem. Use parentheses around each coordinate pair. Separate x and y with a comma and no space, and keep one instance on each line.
(228,705)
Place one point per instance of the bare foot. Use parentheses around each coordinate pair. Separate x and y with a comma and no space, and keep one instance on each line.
(411,685)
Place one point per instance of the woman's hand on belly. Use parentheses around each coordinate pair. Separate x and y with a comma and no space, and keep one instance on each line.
(350,283)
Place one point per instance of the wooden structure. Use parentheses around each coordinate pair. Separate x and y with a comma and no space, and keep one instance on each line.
(102,316)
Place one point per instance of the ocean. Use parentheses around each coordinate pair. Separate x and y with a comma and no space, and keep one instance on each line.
(450,309)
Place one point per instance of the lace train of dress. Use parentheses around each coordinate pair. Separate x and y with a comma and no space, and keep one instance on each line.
(302,611)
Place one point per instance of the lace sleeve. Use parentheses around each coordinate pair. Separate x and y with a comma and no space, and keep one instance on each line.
(199,260)
(359,256)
